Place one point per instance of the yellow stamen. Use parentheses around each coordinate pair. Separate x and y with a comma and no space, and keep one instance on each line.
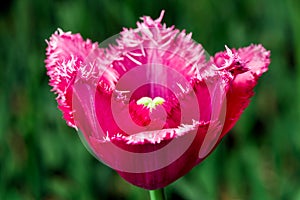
(150,103)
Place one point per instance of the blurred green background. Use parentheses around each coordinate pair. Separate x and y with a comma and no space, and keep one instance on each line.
(42,158)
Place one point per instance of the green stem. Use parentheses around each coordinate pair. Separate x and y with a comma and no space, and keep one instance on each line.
(158,194)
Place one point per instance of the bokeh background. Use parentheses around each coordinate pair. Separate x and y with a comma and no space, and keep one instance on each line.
(42,158)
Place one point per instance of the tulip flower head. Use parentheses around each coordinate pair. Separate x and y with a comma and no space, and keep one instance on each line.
(149,102)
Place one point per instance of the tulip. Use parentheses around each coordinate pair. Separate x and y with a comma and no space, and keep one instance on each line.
(150,103)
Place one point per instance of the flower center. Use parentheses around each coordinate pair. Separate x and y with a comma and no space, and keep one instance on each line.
(150,103)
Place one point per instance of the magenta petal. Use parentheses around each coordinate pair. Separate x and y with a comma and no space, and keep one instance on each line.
(255,59)
(164,176)
(65,54)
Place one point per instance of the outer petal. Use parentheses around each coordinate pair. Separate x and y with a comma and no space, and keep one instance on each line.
(250,63)
(163,177)
(65,54)
(191,157)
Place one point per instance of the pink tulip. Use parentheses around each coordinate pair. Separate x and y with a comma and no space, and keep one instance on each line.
(153,105)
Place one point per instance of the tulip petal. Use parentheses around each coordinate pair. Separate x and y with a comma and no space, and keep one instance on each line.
(65,54)
(254,60)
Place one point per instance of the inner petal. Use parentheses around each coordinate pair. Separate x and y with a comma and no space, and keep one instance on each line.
(154,106)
